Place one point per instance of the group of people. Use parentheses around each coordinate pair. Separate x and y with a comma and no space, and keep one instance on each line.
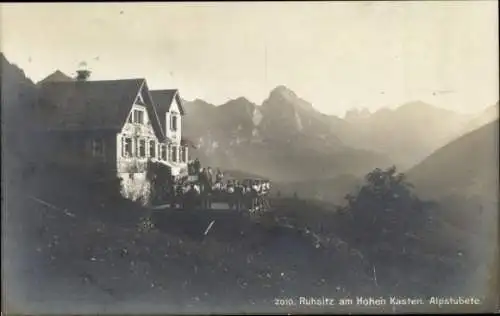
(208,188)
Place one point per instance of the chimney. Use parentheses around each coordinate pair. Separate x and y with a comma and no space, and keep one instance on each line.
(82,75)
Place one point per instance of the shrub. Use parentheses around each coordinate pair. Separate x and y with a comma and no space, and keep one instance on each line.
(160,177)
(385,211)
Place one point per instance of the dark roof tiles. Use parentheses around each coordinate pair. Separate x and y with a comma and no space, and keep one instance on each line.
(90,105)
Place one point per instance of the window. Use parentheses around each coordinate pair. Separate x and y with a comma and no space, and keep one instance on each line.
(152,148)
(142,148)
(174,153)
(97,148)
(183,154)
(127,147)
(163,152)
(138,116)
(173,122)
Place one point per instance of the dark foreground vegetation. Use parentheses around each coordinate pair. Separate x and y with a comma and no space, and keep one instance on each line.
(70,249)
(73,246)
(403,240)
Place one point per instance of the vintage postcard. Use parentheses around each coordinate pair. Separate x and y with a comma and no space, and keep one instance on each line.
(249,157)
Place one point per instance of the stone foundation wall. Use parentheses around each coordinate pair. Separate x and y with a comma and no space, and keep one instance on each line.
(136,187)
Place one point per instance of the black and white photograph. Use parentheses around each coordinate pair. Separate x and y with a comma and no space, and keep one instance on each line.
(302,157)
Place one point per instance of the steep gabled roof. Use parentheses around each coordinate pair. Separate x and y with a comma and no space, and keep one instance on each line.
(91,105)
(153,113)
(163,101)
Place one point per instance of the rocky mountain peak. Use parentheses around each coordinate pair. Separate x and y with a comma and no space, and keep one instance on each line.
(283,98)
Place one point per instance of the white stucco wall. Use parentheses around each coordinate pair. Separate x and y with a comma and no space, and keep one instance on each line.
(144,131)
(177,135)
(134,185)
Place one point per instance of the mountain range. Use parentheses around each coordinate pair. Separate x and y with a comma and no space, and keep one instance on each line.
(407,133)
(466,167)
(286,139)
(488,115)
(18,91)
(18,96)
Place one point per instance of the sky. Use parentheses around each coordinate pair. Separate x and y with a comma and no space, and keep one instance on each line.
(336,55)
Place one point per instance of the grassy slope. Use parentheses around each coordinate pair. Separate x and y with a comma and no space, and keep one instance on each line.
(331,190)
(463,178)
(466,165)
(81,263)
